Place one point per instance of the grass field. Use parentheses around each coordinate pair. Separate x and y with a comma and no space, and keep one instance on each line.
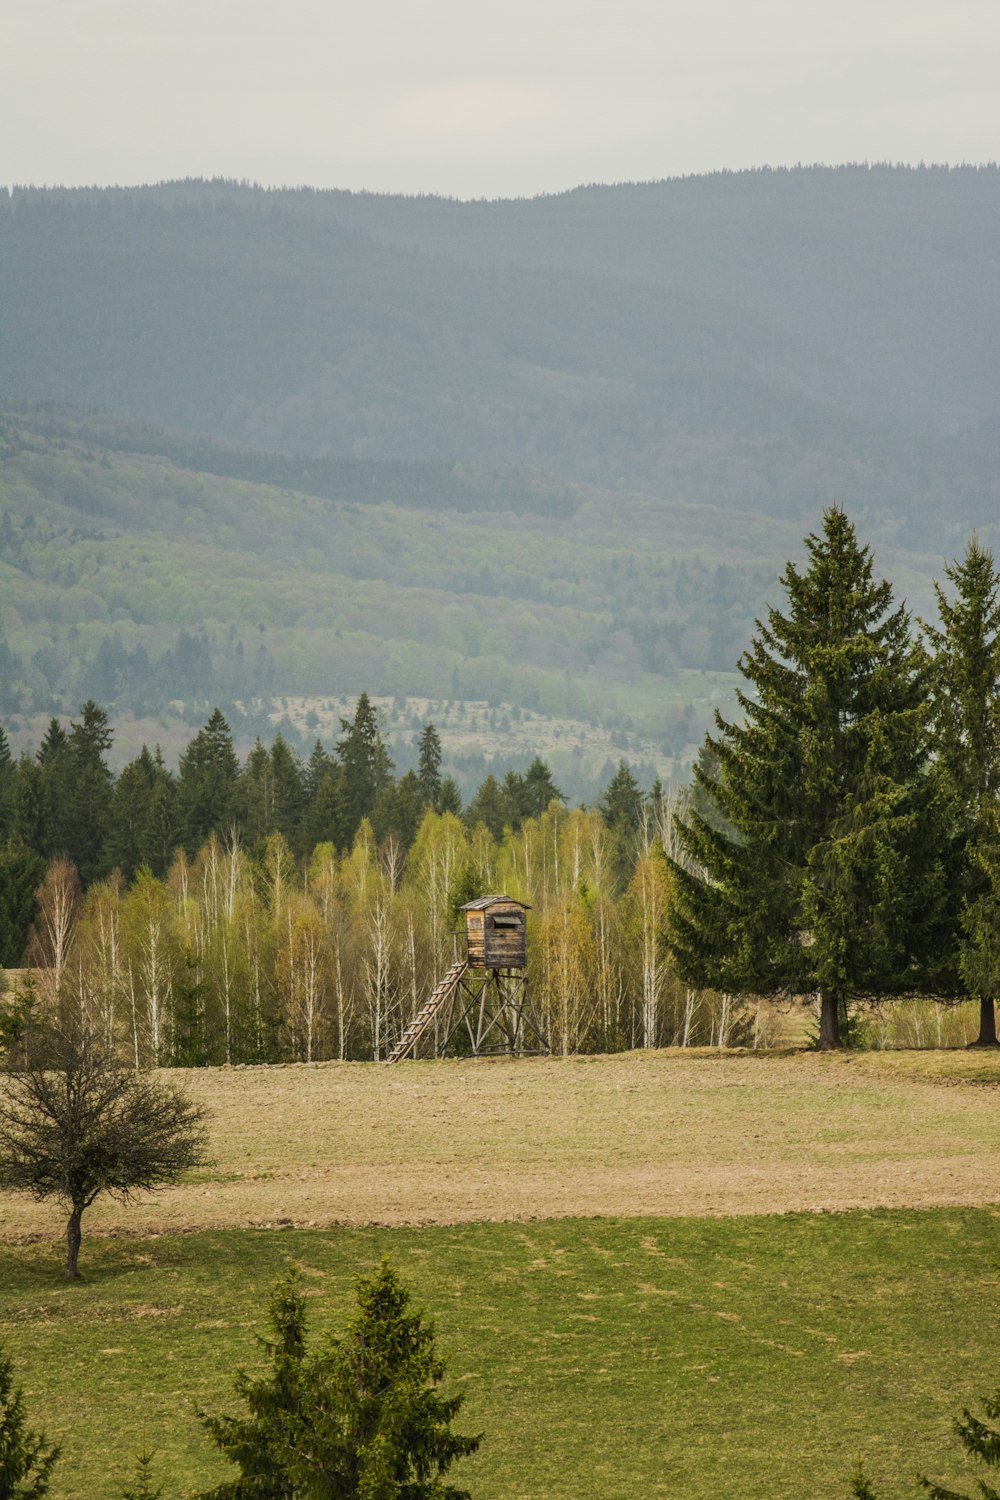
(624,1257)
(750,1357)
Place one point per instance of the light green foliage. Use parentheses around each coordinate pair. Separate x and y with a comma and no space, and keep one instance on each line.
(239,956)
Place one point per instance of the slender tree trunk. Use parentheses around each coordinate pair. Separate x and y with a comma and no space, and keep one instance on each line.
(73,1244)
(987,1025)
(829,1021)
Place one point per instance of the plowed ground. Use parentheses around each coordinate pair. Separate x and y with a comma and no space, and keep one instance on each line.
(664,1133)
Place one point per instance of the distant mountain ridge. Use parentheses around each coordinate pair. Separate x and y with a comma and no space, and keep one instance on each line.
(766,341)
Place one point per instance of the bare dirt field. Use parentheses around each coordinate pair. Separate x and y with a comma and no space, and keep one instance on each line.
(659,1133)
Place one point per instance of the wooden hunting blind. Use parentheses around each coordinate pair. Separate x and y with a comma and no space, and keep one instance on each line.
(481,1005)
(496,933)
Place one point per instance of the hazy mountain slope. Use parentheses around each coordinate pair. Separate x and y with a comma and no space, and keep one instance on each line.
(892,271)
(142,573)
(765,341)
(108,557)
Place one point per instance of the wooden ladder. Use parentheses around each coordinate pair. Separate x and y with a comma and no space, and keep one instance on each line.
(440,995)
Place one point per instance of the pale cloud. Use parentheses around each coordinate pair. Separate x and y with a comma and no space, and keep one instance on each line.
(461,118)
(476,100)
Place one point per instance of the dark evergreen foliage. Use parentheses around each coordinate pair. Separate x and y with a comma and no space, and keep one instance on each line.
(27,1458)
(360,1416)
(22,871)
(822,870)
(31,807)
(208,788)
(967,735)
(623,808)
(141,1486)
(400,808)
(161,832)
(429,765)
(86,788)
(981,1442)
(365,763)
(7,782)
(449,797)
(489,806)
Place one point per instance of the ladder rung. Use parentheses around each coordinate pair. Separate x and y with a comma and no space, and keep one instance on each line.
(415,1029)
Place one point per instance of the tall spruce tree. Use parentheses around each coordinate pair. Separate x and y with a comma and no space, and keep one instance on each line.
(87,792)
(8,777)
(22,871)
(488,807)
(429,765)
(288,781)
(130,813)
(208,789)
(622,807)
(817,860)
(49,796)
(161,833)
(966,684)
(274,793)
(365,764)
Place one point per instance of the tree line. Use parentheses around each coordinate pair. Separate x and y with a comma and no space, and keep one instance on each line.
(841,840)
(240,955)
(65,802)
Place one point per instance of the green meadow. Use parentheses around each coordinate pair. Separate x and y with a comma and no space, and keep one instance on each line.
(752,1357)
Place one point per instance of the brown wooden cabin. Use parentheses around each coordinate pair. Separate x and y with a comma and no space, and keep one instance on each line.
(496,933)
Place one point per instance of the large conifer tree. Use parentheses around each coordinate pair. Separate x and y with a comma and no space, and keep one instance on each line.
(365,765)
(967,725)
(208,787)
(816,863)
(85,813)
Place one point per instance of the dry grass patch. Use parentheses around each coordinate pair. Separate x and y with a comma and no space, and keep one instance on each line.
(659,1133)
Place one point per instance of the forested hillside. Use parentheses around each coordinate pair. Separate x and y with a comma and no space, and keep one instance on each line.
(144,569)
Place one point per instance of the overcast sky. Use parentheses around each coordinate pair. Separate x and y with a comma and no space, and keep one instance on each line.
(514,98)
